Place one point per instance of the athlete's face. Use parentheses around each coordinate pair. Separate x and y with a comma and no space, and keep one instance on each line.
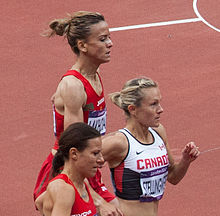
(90,159)
(148,113)
(98,44)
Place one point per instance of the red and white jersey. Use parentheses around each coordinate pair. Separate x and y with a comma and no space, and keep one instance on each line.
(143,173)
(80,207)
(94,112)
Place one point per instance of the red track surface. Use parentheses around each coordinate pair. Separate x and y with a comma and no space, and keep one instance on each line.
(183,58)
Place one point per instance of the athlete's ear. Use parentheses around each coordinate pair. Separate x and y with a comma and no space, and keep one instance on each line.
(132,109)
(82,46)
(73,153)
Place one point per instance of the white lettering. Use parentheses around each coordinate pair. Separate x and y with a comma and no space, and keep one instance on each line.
(83,214)
(153,183)
(99,123)
(103,188)
(152,162)
(100,101)
(155,187)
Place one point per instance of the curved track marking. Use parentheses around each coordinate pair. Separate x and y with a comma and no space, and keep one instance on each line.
(201,18)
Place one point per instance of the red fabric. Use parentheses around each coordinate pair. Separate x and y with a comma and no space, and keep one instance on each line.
(118,176)
(58,126)
(99,187)
(44,176)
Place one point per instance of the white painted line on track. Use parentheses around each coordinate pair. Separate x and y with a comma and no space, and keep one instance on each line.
(209,150)
(155,24)
(201,18)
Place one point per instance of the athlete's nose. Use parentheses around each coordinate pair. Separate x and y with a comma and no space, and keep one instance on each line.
(109,43)
(160,109)
(100,160)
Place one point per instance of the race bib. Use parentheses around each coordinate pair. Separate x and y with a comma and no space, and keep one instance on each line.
(97,120)
(153,184)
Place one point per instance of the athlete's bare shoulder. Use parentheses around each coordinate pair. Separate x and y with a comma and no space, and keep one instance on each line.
(62,195)
(115,137)
(59,187)
(70,92)
(71,82)
(114,148)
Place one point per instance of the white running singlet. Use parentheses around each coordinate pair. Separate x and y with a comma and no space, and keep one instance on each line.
(143,173)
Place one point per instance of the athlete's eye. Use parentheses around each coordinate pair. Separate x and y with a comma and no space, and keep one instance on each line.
(96,153)
(154,103)
(102,39)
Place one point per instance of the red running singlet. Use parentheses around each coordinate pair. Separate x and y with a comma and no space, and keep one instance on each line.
(80,207)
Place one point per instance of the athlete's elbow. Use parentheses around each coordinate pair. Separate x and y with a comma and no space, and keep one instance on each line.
(173,180)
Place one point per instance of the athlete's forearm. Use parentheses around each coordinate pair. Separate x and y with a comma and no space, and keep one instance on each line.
(178,171)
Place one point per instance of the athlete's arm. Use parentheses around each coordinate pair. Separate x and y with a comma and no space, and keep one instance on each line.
(114,148)
(177,171)
(63,198)
(73,94)
(104,208)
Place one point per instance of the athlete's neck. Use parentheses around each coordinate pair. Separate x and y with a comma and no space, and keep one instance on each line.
(87,70)
(140,132)
(74,176)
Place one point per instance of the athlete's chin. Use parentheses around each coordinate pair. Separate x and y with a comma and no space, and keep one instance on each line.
(93,172)
(156,125)
(106,59)
(100,166)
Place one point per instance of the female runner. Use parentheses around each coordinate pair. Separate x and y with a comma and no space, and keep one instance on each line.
(139,155)
(80,154)
(79,96)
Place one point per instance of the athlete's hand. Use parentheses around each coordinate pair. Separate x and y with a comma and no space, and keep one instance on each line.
(190,152)
(107,209)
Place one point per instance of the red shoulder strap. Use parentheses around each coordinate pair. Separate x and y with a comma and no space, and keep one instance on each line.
(85,82)
(76,74)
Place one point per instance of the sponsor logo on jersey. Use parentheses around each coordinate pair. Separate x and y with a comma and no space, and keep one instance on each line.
(104,188)
(137,153)
(100,101)
(162,146)
(83,214)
